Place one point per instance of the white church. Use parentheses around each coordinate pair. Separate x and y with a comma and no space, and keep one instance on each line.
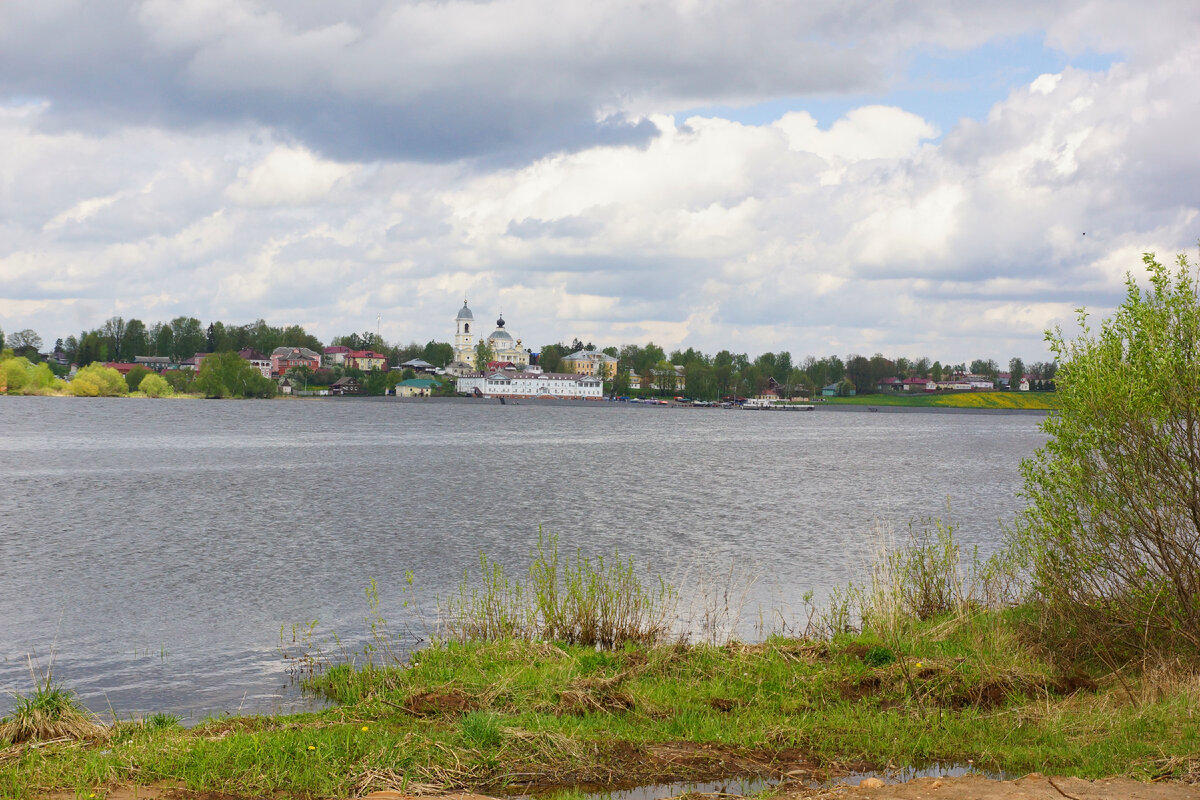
(520,381)
(501,343)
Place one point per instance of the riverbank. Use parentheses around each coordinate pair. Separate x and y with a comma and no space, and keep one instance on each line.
(974,401)
(519,717)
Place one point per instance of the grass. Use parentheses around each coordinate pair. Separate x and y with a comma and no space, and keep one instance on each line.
(509,714)
(49,712)
(941,669)
(1032,401)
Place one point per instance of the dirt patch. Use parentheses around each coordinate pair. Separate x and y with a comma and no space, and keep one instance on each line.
(582,701)
(428,704)
(724,704)
(975,787)
(855,689)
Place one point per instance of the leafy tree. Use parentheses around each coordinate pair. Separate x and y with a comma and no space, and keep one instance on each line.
(620,384)
(164,340)
(25,343)
(437,353)
(229,375)
(71,349)
(1,339)
(296,336)
(97,380)
(136,341)
(936,372)
(483,354)
(322,376)
(154,385)
(550,358)
(374,383)
(113,333)
(189,338)
(180,380)
(135,376)
(14,371)
(1016,370)
(91,349)
(1114,496)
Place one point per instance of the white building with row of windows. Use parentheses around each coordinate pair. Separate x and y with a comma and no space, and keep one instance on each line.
(531,383)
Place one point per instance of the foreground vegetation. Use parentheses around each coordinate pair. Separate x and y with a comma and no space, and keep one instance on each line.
(567,677)
(509,714)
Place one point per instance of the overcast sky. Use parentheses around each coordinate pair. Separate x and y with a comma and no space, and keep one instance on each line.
(819,176)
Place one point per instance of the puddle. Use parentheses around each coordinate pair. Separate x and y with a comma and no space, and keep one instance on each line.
(910,773)
(739,787)
(746,787)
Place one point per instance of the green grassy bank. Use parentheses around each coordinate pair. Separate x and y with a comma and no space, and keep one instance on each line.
(509,714)
(1032,401)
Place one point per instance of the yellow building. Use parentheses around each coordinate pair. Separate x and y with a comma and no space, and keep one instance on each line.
(589,362)
(502,344)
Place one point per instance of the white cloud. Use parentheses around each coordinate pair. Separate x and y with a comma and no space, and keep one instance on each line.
(867,233)
(287,176)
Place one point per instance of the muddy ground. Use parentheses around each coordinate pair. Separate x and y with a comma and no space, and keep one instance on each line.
(970,787)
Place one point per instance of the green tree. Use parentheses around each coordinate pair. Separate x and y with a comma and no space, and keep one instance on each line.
(1,339)
(229,375)
(154,385)
(188,338)
(550,357)
(1114,496)
(180,380)
(296,336)
(1016,370)
(113,333)
(164,340)
(91,349)
(483,355)
(135,376)
(97,380)
(437,353)
(25,343)
(374,383)
(136,341)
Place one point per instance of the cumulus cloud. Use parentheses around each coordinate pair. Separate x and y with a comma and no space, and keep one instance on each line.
(317,164)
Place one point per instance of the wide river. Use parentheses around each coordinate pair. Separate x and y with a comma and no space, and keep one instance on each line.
(151,551)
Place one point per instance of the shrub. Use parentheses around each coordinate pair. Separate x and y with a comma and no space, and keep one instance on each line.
(97,380)
(154,386)
(133,378)
(50,712)
(1114,496)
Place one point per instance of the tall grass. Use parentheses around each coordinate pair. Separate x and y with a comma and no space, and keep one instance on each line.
(49,712)
(922,577)
(576,600)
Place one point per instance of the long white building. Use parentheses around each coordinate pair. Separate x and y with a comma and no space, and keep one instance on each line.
(532,383)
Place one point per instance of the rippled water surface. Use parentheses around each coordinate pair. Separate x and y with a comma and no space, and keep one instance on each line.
(157,547)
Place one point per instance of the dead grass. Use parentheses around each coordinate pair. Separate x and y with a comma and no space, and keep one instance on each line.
(50,713)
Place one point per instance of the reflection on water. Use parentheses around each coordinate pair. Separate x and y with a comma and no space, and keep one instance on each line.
(159,548)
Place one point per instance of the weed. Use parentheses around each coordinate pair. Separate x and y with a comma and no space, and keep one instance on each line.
(160,721)
(49,712)
(480,729)
(584,600)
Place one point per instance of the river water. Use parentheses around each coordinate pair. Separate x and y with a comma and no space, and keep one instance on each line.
(153,550)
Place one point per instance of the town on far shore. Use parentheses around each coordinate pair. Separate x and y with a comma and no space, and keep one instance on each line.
(495,365)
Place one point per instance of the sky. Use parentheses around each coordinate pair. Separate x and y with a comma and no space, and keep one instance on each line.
(918,178)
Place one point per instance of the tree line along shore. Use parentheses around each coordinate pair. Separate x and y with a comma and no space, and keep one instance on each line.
(640,369)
